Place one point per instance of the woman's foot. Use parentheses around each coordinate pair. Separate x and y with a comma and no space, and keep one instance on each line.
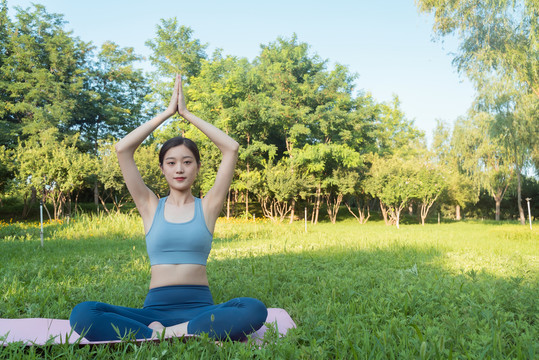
(171,331)
(157,328)
(176,330)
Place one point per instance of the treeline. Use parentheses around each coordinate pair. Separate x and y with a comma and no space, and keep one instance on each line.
(308,137)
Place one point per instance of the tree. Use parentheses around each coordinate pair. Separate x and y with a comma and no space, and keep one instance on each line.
(499,40)
(113,100)
(41,73)
(254,158)
(6,170)
(280,188)
(341,176)
(495,35)
(460,190)
(512,122)
(432,181)
(482,156)
(393,131)
(175,50)
(54,168)
(6,123)
(393,180)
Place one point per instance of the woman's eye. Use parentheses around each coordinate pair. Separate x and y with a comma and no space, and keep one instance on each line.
(187,162)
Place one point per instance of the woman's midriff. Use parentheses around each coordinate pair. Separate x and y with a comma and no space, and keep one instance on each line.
(178,274)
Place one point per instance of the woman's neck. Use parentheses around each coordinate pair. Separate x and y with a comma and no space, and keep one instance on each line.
(180,198)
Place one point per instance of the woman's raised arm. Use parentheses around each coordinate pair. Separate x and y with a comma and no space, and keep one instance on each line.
(213,200)
(125,150)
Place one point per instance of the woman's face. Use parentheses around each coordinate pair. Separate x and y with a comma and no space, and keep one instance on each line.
(180,168)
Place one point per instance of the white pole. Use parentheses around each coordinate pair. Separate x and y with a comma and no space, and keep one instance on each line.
(529,212)
(41,219)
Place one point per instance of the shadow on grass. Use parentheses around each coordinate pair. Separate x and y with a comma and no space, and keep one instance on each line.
(388,302)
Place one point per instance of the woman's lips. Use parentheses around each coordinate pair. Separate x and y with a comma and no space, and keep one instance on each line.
(179,178)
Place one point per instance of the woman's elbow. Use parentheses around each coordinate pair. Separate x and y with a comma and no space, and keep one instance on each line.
(235,147)
(119,147)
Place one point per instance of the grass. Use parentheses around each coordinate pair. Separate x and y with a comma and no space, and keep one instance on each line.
(455,290)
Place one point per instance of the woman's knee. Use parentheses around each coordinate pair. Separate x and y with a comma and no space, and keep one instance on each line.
(80,318)
(257,311)
(82,313)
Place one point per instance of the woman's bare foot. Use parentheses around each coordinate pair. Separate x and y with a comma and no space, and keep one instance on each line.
(157,328)
(171,331)
(176,330)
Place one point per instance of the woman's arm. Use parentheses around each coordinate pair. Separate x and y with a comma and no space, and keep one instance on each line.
(125,150)
(213,200)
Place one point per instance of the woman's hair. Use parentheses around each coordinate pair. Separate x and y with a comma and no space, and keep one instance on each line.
(177,141)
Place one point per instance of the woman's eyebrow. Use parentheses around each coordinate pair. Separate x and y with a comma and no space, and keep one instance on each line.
(183,157)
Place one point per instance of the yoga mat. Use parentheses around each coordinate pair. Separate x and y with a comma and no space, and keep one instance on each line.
(40,331)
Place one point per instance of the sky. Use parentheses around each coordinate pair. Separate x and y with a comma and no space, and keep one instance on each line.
(387,43)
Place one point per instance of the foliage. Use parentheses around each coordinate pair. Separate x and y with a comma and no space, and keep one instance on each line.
(394,181)
(305,129)
(54,168)
(6,169)
(42,71)
(499,51)
(113,100)
(482,156)
(431,182)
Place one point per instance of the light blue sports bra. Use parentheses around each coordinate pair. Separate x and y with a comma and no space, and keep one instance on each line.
(178,243)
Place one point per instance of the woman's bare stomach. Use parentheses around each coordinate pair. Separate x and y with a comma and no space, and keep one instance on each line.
(178,274)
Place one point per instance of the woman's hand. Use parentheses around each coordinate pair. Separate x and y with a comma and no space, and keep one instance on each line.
(173,105)
(182,109)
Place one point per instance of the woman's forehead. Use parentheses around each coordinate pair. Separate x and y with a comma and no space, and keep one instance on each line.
(180,151)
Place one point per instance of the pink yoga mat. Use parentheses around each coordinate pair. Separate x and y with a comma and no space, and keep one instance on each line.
(39,331)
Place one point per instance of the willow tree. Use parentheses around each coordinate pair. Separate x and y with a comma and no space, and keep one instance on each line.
(450,147)
(482,156)
(498,39)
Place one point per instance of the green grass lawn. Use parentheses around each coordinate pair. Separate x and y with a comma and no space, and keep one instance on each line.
(456,290)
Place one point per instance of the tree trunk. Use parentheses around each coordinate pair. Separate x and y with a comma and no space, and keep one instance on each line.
(457,212)
(246,203)
(228,205)
(96,193)
(498,201)
(384,213)
(292,212)
(363,211)
(521,215)
(317,206)
(498,196)
(312,215)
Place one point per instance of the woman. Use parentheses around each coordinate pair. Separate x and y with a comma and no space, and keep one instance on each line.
(179,232)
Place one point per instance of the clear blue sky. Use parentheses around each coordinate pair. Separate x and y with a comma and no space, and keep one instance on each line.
(386,42)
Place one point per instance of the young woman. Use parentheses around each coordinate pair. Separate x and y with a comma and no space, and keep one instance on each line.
(179,231)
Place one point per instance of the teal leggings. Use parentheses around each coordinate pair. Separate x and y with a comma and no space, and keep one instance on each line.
(170,305)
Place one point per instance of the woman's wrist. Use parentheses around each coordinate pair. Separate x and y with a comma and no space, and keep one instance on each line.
(168,113)
(185,114)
